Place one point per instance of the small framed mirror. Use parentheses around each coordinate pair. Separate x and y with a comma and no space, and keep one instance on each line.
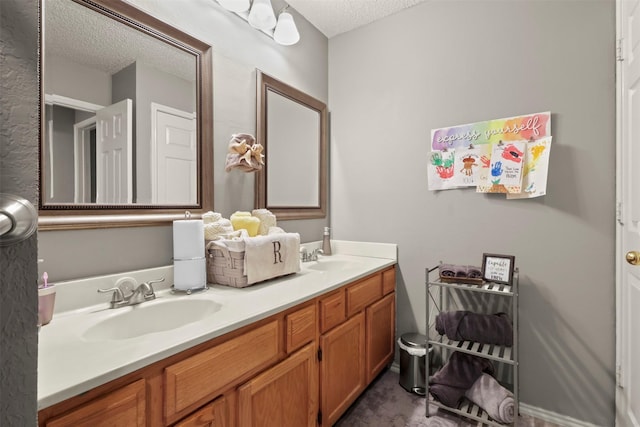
(126,134)
(292,127)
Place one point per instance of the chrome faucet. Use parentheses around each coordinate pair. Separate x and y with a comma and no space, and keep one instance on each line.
(124,294)
(305,256)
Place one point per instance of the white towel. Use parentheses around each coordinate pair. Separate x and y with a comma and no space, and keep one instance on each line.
(271,256)
(496,400)
(275,230)
(218,229)
(267,220)
(210,217)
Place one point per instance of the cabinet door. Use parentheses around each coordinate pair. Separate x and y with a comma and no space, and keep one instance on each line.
(122,407)
(211,415)
(342,368)
(284,396)
(200,378)
(380,335)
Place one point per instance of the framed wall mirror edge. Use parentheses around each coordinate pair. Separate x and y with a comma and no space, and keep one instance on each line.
(292,127)
(79,214)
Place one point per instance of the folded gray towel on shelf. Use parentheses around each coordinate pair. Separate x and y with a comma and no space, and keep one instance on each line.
(461,271)
(450,383)
(470,326)
(494,399)
(474,272)
(447,270)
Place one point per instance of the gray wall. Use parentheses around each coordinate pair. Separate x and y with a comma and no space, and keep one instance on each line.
(18,176)
(66,78)
(238,50)
(445,63)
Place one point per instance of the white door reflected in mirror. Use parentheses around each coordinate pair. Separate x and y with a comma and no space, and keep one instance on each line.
(114,164)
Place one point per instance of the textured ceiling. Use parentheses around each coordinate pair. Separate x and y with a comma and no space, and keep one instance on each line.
(76,33)
(333,17)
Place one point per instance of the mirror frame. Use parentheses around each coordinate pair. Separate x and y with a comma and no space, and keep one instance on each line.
(267,83)
(64,217)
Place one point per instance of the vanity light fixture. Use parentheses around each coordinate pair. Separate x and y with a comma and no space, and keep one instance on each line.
(259,14)
(286,32)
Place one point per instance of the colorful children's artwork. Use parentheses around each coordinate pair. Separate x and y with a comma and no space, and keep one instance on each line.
(509,155)
(467,167)
(483,180)
(505,169)
(441,170)
(536,167)
(509,129)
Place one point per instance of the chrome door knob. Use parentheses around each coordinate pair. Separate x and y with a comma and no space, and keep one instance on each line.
(633,257)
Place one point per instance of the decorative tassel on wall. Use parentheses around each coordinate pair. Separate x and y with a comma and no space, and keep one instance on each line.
(244,153)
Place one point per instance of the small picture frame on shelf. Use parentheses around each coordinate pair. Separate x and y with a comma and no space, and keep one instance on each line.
(498,268)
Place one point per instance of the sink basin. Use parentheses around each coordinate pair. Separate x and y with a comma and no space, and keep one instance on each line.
(329,264)
(150,317)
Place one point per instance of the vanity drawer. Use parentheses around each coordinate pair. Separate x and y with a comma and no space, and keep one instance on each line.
(122,407)
(363,293)
(210,372)
(388,281)
(301,327)
(211,415)
(332,311)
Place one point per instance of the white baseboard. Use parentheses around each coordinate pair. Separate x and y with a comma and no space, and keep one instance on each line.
(395,367)
(552,417)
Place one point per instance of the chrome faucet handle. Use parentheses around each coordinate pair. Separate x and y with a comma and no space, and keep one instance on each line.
(117,296)
(151,282)
(147,287)
(304,254)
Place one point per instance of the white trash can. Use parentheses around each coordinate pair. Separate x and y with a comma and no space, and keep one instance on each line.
(413,351)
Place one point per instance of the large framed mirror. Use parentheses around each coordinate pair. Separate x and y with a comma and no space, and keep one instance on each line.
(126,133)
(292,127)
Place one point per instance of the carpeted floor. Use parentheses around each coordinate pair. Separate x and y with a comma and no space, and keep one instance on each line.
(386,404)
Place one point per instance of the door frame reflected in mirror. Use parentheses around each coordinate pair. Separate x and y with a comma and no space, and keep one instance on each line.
(82,216)
(268,85)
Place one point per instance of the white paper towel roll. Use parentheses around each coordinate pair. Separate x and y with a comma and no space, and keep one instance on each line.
(190,274)
(188,239)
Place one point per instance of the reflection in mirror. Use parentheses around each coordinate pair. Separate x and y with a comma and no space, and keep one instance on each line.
(126,117)
(292,128)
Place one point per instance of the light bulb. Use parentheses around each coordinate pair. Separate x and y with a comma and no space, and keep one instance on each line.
(261,15)
(286,32)
(235,5)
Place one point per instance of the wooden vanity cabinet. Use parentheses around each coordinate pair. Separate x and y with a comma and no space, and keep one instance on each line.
(380,334)
(200,378)
(353,352)
(213,414)
(301,367)
(285,395)
(123,407)
(342,368)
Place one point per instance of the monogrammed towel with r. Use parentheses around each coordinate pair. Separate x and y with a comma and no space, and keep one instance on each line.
(271,256)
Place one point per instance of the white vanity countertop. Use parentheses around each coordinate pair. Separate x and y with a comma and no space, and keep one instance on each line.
(69,364)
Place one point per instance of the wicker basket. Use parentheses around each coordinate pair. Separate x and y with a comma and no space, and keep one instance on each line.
(225,267)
